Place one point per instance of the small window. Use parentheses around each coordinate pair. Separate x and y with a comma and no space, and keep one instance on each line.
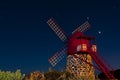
(84,47)
(79,48)
(94,48)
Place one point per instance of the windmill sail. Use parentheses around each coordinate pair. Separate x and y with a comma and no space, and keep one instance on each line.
(57,57)
(57,29)
(84,27)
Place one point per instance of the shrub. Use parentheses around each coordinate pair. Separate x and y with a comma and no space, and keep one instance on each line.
(8,75)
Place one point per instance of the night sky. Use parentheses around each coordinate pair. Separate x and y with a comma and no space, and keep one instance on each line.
(27,42)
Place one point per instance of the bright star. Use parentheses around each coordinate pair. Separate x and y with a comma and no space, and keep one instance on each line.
(99,32)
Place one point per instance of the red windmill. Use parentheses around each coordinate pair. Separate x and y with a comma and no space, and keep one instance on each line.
(80,52)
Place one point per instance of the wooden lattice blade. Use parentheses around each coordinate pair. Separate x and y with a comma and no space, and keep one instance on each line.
(57,57)
(57,29)
(84,27)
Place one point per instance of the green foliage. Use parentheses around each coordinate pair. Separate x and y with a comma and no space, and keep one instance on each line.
(8,75)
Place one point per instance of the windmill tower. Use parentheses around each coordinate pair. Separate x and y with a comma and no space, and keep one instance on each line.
(80,53)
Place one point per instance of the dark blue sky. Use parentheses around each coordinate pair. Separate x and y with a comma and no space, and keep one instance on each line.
(26,41)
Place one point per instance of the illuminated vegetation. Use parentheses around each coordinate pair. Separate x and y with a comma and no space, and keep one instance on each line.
(58,75)
(8,75)
(53,75)
(49,75)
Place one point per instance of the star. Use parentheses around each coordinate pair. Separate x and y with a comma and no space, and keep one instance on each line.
(99,32)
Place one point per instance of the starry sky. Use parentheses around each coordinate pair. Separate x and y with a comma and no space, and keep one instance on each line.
(27,42)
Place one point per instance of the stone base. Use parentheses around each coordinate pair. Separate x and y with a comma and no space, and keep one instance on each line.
(80,68)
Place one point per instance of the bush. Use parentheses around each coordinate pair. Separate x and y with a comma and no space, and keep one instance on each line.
(58,75)
(36,75)
(8,75)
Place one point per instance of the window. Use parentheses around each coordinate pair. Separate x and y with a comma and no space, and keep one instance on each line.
(94,48)
(79,48)
(84,47)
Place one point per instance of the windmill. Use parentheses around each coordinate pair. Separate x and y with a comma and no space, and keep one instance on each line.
(80,52)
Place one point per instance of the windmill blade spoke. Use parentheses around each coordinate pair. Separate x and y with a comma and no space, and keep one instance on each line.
(57,57)
(57,29)
(84,27)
